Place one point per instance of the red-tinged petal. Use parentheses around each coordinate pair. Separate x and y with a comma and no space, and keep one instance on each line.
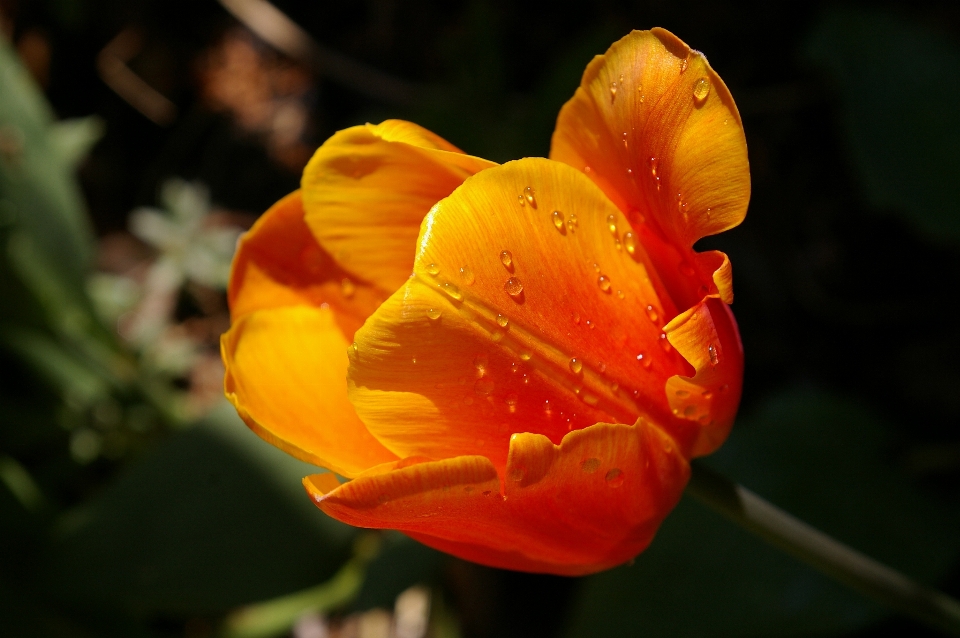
(279,263)
(590,503)
(286,376)
(453,363)
(661,135)
(707,337)
(367,189)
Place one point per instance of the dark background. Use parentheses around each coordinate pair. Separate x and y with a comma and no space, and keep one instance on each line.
(845,273)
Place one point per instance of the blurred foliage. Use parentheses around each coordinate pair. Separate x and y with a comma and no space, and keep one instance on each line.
(134,503)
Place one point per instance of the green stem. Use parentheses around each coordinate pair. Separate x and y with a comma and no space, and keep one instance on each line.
(836,560)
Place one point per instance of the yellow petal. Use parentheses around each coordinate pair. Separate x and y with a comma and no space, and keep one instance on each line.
(656,128)
(460,358)
(279,263)
(286,376)
(590,503)
(367,189)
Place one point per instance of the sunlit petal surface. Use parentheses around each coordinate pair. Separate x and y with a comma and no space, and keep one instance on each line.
(367,189)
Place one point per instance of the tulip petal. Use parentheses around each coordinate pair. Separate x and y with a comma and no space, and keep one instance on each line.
(661,136)
(707,337)
(286,378)
(590,503)
(278,263)
(367,189)
(453,364)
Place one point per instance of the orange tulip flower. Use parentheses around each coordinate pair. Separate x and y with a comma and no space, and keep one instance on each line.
(530,396)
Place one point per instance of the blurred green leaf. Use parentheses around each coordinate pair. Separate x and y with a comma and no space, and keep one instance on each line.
(211,519)
(74,138)
(898,88)
(821,458)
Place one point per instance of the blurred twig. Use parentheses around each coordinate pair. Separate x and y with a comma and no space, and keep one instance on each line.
(276,29)
(112,66)
(836,560)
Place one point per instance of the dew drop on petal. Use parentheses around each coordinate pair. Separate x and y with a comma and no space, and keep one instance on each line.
(614,477)
(483,386)
(683,65)
(590,465)
(520,198)
(480,362)
(620,294)
(434,314)
(612,224)
(530,196)
(467,275)
(664,342)
(576,366)
(547,407)
(604,282)
(701,89)
(347,287)
(576,318)
(644,360)
(572,223)
(557,217)
(712,352)
(652,314)
(506,258)
(525,355)
(433,269)
(513,286)
(452,291)
(502,321)
(613,92)
(624,138)
(587,169)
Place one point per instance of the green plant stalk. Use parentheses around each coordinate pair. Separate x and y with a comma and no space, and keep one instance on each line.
(844,564)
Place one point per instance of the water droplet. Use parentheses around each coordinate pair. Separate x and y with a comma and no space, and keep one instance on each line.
(612,224)
(525,356)
(467,275)
(707,394)
(653,314)
(576,365)
(701,89)
(530,196)
(347,287)
(591,324)
(683,394)
(355,347)
(664,342)
(630,173)
(522,201)
(557,219)
(590,399)
(624,138)
(526,379)
(620,294)
(572,223)
(614,386)
(511,399)
(614,477)
(413,359)
(714,357)
(506,258)
(590,465)
(502,321)
(547,407)
(434,314)
(604,282)
(644,360)
(483,386)
(613,92)
(513,286)
(686,269)
(587,169)
(433,269)
(653,166)
(683,65)
(452,291)
(480,362)
(576,318)
(596,268)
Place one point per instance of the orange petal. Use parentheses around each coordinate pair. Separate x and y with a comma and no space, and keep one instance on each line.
(367,189)
(453,364)
(279,263)
(661,136)
(590,503)
(286,377)
(707,337)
